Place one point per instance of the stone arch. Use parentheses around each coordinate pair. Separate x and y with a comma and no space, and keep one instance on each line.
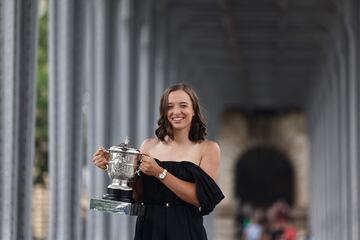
(264,175)
(239,135)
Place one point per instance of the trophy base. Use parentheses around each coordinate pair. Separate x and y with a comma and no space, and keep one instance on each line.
(126,208)
(119,195)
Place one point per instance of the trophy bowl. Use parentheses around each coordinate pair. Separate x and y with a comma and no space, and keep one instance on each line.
(123,166)
(122,169)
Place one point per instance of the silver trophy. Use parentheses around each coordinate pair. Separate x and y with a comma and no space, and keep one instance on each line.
(123,169)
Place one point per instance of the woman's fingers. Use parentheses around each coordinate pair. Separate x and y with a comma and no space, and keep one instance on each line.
(98,158)
(104,151)
(146,158)
(97,154)
(148,165)
(144,165)
(101,152)
(100,161)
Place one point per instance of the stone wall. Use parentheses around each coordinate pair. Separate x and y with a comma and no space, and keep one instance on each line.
(239,133)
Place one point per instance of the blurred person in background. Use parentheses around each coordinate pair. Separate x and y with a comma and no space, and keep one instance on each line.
(254,230)
(280,224)
(243,218)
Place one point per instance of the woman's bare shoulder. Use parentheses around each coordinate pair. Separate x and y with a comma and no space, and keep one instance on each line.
(148,143)
(209,145)
(210,158)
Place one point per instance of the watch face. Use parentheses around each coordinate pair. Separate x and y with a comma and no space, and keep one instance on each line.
(163,174)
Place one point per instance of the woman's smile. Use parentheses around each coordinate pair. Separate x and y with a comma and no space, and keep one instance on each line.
(180,109)
(176,119)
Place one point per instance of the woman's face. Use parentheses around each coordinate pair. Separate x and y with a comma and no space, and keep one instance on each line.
(180,110)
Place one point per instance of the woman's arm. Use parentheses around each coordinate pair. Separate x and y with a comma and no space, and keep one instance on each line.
(183,189)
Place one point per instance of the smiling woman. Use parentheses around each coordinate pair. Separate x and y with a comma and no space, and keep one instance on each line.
(180,111)
(175,98)
(180,168)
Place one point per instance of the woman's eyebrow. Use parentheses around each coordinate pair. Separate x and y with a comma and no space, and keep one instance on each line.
(171,103)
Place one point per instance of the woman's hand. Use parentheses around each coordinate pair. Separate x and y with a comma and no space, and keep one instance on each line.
(101,158)
(149,166)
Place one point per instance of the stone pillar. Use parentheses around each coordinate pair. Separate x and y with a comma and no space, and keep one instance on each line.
(122,75)
(161,63)
(351,25)
(334,180)
(335,134)
(66,77)
(97,110)
(145,78)
(173,54)
(343,136)
(109,102)
(18,44)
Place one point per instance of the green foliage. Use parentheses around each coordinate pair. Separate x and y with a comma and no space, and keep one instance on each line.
(41,152)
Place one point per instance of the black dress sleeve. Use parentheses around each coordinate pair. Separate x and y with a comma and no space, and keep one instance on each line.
(207,191)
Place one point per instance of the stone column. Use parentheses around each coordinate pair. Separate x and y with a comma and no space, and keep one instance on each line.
(343,137)
(351,25)
(145,78)
(335,134)
(122,75)
(109,106)
(66,77)
(334,151)
(160,55)
(97,110)
(173,54)
(18,44)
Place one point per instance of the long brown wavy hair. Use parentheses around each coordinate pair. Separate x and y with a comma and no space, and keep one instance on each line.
(198,124)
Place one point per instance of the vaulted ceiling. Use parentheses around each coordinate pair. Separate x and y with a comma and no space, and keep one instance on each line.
(252,53)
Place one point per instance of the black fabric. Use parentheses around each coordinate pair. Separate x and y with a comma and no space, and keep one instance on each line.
(179,220)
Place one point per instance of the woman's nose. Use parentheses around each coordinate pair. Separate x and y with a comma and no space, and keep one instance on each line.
(176,110)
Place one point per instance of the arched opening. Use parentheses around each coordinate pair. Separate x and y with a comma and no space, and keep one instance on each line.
(263,176)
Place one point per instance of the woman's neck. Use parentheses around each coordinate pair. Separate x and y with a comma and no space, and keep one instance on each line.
(181,137)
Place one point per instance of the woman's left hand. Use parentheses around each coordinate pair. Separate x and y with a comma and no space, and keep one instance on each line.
(149,166)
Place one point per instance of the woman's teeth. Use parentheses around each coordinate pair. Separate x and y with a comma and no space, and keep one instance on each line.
(177,119)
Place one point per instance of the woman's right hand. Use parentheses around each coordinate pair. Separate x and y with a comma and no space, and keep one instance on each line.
(101,158)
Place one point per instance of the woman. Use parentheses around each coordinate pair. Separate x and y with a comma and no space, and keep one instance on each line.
(179,171)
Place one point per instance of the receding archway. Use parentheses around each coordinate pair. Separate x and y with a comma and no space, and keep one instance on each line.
(263,176)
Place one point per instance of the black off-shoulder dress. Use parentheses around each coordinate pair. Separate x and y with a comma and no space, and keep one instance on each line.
(167,217)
